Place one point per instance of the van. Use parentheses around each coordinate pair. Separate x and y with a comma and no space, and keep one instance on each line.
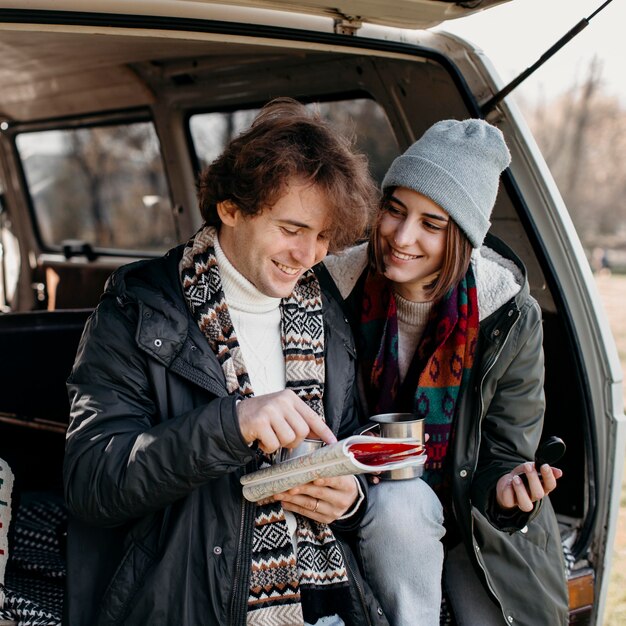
(108,110)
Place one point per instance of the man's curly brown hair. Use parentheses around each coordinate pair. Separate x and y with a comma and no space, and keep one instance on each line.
(287,141)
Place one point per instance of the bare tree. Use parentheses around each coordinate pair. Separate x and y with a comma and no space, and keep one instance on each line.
(92,161)
(582,118)
(582,135)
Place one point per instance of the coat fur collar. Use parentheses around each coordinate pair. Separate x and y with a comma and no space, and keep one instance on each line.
(498,279)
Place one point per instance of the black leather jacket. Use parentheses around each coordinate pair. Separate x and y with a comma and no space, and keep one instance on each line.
(160,532)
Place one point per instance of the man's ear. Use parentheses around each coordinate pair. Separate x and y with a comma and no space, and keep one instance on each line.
(227,210)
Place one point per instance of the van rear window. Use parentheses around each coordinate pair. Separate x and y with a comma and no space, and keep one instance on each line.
(362,118)
(101,185)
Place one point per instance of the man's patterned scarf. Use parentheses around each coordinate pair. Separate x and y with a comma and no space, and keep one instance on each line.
(284,591)
(438,371)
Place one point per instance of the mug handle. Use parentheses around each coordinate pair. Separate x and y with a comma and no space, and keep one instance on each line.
(365,430)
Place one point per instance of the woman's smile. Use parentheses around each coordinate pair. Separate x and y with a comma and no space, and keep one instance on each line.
(403,256)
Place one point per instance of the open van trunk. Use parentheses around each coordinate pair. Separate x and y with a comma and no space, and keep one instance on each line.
(106,117)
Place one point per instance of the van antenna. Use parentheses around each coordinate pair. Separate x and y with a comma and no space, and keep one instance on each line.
(493,102)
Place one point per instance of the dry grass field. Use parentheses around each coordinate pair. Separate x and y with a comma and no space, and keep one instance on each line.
(613,294)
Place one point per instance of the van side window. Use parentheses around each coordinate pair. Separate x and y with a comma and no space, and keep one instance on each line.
(100,185)
(361,117)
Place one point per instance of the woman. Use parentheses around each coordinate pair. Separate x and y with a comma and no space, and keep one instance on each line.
(447,329)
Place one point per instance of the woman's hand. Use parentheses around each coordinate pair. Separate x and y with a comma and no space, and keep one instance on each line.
(324,500)
(512,491)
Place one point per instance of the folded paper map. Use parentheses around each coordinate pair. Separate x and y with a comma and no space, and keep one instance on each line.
(355,455)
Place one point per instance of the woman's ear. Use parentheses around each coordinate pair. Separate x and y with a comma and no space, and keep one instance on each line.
(228,212)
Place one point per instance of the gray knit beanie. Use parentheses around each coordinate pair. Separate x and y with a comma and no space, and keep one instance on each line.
(458,166)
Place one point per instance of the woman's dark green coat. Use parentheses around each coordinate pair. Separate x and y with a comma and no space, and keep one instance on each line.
(499,425)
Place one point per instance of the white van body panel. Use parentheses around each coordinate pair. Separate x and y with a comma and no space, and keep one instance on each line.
(399,13)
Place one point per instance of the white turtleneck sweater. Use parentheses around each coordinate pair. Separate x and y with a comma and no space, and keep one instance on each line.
(256,318)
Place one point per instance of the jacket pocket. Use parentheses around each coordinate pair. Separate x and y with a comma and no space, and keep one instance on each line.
(527,565)
(123,586)
(535,533)
(139,557)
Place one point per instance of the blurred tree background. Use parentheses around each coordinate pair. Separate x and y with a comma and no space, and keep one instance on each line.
(582,135)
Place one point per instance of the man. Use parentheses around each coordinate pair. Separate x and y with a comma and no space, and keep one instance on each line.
(193,369)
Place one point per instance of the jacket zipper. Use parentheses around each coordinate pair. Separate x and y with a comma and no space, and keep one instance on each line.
(356,584)
(492,363)
(241,579)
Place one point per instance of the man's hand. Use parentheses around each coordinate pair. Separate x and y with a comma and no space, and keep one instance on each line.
(324,500)
(511,491)
(278,420)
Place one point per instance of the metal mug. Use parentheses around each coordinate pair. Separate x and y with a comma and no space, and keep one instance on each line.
(305,447)
(400,426)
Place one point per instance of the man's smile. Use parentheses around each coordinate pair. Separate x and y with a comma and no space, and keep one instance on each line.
(292,271)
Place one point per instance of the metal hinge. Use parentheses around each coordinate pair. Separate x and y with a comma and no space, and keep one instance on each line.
(347,25)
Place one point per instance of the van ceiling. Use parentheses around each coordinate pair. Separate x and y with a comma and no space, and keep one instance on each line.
(50,74)
(45,75)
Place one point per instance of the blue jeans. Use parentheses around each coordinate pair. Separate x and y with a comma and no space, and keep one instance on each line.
(401,551)
(333,620)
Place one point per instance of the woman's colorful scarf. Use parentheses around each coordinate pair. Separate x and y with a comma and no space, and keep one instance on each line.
(438,371)
(284,591)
